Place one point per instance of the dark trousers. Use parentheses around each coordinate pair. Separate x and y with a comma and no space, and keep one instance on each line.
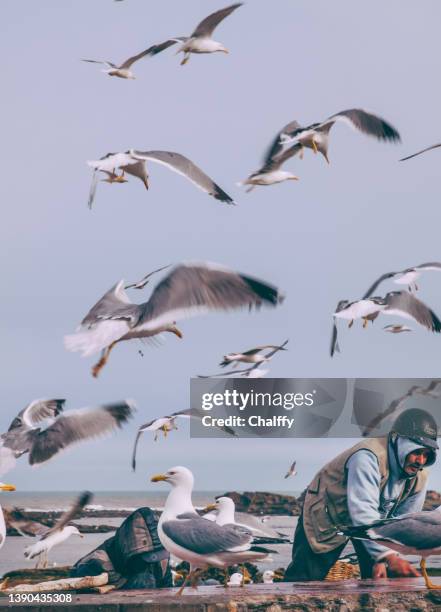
(308,565)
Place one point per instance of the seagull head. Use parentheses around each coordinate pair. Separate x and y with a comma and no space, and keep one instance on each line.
(220,504)
(72,530)
(176,476)
(6,487)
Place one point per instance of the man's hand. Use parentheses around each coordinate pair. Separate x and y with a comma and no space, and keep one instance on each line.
(394,565)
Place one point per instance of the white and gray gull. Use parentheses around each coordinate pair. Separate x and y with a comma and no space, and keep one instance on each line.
(134,162)
(316,135)
(407,277)
(192,538)
(200,41)
(188,290)
(27,435)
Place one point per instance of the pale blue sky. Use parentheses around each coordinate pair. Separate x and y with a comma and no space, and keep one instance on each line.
(324,238)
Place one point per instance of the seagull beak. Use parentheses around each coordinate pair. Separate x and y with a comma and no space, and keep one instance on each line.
(209,508)
(7,487)
(176,331)
(158,478)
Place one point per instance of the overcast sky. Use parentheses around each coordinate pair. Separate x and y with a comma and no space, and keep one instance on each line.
(321,239)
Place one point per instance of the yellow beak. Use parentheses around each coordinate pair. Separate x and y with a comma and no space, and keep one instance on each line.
(209,508)
(158,478)
(7,487)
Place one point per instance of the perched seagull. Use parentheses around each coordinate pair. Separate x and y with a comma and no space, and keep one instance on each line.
(269,575)
(168,423)
(188,290)
(270,173)
(123,70)
(60,532)
(238,579)
(251,356)
(407,277)
(200,40)
(134,162)
(25,434)
(292,470)
(225,513)
(316,135)
(192,538)
(418,533)
(255,371)
(399,303)
(397,329)
(4,487)
(423,151)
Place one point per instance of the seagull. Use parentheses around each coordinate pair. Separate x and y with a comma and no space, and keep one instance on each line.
(238,579)
(417,533)
(200,40)
(270,173)
(4,487)
(407,277)
(292,470)
(168,423)
(25,434)
(423,151)
(188,290)
(134,162)
(252,355)
(57,534)
(316,135)
(255,371)
(192,538)
(397,329)
(225,513)
(123,70)
(399,303)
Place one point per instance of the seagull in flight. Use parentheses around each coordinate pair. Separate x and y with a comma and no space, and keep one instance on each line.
(292,470)
(133,162)
(188,290)
(408,277)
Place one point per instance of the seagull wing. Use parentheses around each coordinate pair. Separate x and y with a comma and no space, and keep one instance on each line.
(184,166)
(194,413)
(276,146)
(36,412)
(74,511)
(423,151)
(334,340)
(92,190)
(431,265)
(100,62)
(153,50)
(199,288)
(404,304)
(207,26)
(365,122)
(114,304)
(205,537)
(143,282)
(274,163)
(379,280)
(76,426)
(139,170)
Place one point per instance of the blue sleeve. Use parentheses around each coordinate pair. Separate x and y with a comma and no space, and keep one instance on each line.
(363,489)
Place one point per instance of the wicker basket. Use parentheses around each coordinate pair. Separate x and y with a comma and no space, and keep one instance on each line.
(342,570)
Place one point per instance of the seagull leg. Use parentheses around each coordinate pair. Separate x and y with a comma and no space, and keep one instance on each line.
(186,59)
(195,578)
(102,362)
(365,323)
(314,146)
(301,153)
(165,430)
(351,323)
(429,583)
(325,155)
(187,578)
(245,575)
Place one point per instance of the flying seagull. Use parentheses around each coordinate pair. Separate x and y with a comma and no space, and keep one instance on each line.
(4,487)
(292,470)
(200,40)
(146,279)
(188,290)
(255,371)
(168,423)
(399,303)
(25,434)
(316,135)
(134,162)
(396,329)
(418,533)
(57,534)
(123,70)
(407,277)
(270,173)
(194,539)
(252,355)
(435,146)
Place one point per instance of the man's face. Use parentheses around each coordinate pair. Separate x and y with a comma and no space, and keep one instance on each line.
(416,460)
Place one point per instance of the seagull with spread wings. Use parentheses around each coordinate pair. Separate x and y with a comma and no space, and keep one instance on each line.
(316,135)
(200,40)
(60,532)
(292,470)
(167,423)
(398,303)
(26,435)
(188,290)
(123,70)
(255,371)
(270,172)
(134,162)
(408,277)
